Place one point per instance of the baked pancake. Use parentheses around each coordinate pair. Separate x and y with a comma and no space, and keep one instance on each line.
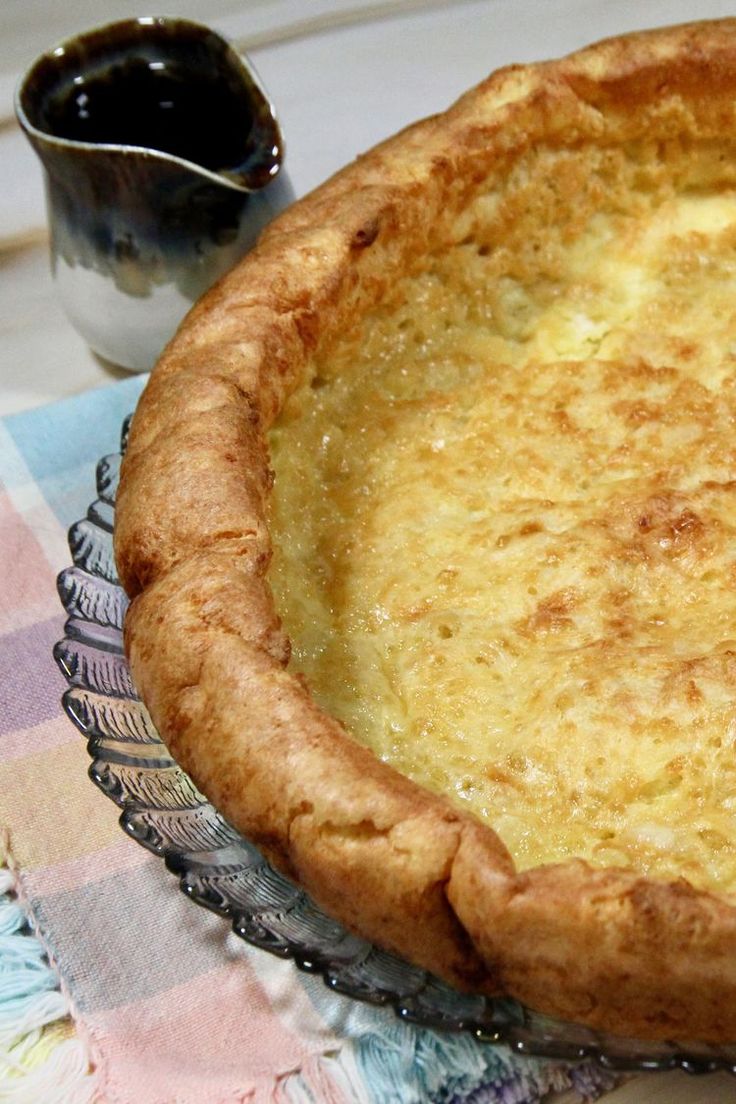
(467,670)
(494,540)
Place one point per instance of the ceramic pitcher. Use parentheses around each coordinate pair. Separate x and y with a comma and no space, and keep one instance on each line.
(163,161)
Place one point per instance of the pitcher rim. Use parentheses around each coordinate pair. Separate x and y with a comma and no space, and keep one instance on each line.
(221,177)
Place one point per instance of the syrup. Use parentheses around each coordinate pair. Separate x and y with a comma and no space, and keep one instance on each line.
(163,104)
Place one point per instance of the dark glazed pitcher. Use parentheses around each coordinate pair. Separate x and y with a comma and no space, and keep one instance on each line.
(163,163)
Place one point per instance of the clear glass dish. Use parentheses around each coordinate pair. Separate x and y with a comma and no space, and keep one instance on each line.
(219,869)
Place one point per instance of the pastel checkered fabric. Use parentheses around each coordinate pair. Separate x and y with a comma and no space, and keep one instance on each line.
(168,1004)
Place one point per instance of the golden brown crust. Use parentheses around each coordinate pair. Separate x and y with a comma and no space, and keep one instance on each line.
(392,861)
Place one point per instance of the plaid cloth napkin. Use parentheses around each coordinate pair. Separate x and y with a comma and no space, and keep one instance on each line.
(167,1005)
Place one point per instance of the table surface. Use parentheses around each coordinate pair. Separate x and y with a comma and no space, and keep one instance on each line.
(343,74)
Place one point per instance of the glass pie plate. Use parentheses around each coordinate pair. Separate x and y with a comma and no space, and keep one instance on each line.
(219,869)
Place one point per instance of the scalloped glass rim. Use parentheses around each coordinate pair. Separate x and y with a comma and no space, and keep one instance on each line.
(220,870)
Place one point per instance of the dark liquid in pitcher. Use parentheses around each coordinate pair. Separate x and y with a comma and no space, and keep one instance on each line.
(160,105)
